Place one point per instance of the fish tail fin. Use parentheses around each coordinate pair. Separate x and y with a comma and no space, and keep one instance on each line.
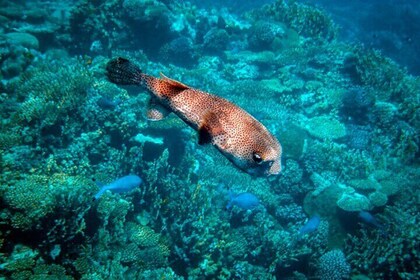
(121,71)
(99,194)
(101,190)
(230,203)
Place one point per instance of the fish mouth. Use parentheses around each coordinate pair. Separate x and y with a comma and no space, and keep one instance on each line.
(274,169)
(268,169)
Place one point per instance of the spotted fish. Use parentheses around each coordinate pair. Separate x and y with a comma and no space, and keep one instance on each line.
(235,133)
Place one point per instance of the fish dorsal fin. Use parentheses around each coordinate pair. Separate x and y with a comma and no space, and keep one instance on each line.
(211,131)
(174,83)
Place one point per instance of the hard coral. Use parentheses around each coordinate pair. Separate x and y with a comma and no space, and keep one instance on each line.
(324,127)
(306,20)
(333,266)
(375,70)
(262,35)
(149,10)
(52,90)
(216,40)
(92,21)
(356,103)
(391,253)
(179,51)
(32,200)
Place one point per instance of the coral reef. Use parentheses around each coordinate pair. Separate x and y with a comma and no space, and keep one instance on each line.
(52,90)
(347,118)
(306,20)
(333,265)
(370,251)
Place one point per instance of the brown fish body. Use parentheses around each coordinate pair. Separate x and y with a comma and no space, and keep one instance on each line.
(238,135)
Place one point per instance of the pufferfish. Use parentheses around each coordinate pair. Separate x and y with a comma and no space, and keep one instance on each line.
(235,133)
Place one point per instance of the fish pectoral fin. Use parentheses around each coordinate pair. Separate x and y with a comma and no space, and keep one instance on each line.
(204,136)
(174,83)
(211,131)
(156,111)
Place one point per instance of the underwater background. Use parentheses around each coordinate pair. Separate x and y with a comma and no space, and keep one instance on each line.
(336,82)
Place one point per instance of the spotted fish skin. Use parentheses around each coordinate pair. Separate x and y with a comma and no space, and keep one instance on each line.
(236,134)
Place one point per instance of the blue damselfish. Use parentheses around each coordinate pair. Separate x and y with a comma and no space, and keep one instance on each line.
(245,201)
(310,226)
(121,185)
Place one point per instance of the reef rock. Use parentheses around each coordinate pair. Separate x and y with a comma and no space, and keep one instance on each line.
(22,39)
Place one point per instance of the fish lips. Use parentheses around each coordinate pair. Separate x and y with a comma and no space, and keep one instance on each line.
(264,169)
(275,168)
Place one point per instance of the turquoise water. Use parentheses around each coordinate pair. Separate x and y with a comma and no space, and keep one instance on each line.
(336,84)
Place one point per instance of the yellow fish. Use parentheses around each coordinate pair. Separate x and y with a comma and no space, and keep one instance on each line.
(236,134)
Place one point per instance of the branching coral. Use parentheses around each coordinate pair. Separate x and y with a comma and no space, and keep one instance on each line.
(388,253)
(94,20)
(333,266)
(46,205)
(378,71)
(52,90)
(32,200)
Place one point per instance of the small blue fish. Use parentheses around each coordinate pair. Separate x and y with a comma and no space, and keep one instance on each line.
(310,226)
(244,201)
(369,219)
(121,185)
(108,103)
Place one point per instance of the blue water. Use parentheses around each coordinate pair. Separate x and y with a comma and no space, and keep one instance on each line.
(335,83)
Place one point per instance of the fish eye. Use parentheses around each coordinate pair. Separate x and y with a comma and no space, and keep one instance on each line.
(257,157)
